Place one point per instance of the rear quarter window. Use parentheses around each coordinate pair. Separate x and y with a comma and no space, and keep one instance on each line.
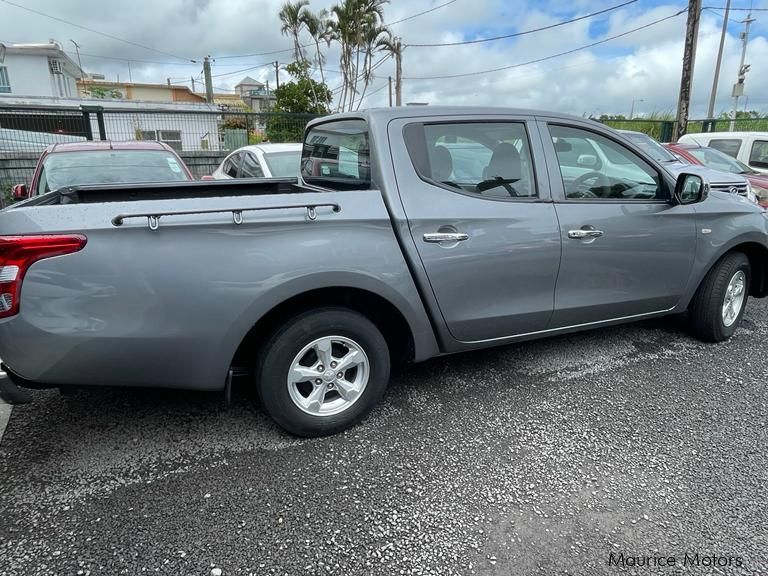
(337,155)
(758,156)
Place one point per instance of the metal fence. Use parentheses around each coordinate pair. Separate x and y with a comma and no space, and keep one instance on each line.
(202,138)
(663,130)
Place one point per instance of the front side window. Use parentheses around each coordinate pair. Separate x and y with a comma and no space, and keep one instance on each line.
(603,169)
(729,145)
(487,159)
(5,82)
(250,167)
(337,155)
(759,154)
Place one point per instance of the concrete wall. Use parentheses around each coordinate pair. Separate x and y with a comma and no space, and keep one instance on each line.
(30,76)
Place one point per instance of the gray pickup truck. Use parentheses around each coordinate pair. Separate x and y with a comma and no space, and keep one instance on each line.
(411,233)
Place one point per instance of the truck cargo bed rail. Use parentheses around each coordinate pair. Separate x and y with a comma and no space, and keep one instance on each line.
(153,218)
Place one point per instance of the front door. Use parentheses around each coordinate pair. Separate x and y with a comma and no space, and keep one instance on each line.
(482,222)
(626,250)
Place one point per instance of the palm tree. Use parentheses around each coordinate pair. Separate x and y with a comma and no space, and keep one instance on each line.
(318,26)
(374,38)
(394,47)
(292,23)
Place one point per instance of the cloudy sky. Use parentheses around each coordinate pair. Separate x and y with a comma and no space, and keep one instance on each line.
(643,65)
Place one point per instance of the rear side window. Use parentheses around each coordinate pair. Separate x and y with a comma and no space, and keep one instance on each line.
(337,155)
(231,164)
(487,159)
(729,146)
(759,154)
(251,167)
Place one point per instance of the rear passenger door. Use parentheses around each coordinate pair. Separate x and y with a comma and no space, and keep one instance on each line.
(479,213)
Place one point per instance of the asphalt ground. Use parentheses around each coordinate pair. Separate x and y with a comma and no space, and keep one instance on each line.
(538,458)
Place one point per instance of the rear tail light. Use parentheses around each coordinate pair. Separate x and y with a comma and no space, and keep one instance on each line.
(18,253)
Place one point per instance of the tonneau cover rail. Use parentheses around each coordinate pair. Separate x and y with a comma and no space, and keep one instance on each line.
(153,218)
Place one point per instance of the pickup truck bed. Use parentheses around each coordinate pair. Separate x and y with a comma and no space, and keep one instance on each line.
(411,233)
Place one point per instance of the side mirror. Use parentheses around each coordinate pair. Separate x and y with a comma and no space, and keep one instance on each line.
(19,192)
(690,189)
(587,160)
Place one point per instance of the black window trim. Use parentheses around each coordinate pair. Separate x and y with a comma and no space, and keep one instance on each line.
(524,121)
(640,153)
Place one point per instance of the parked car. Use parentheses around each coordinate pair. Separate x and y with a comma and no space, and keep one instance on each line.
(713,158)
(261,161)
(315,286)
(751,148)
(103,162)
(725,180)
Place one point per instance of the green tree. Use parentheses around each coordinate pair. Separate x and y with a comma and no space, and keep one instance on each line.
(292,24)
(302,95)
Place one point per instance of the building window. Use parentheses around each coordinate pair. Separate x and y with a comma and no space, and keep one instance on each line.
(5,83)
(170,137)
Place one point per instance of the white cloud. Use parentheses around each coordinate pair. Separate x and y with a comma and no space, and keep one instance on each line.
(605,79)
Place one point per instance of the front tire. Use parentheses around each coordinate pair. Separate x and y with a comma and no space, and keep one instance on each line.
(718,306)
(323,371)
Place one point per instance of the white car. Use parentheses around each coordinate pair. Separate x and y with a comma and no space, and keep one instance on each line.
(751,148)
(261,161)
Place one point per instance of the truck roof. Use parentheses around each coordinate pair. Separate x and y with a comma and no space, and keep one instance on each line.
(384,114)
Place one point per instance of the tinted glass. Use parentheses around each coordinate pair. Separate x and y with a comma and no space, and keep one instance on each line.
(109,167)
(759,154)
(489,159)
(729,146)
(250,168)
(231,165)
(610,172)
(651,147)
(337,155)
(283,164)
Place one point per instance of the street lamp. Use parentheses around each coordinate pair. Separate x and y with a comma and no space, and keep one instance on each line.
(632,110)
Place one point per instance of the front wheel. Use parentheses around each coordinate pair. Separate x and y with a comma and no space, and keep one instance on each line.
(323,371)
(720,301)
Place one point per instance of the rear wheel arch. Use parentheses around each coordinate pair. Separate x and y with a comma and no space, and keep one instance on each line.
(380,311)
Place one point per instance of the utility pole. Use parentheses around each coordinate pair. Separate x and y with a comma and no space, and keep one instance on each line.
(398,72)
(390,91)
(632,109)
(689,59)
(77,50)
(738,88)
(130,77)
(713,94)
(193,83)
(277,74)
(208,81)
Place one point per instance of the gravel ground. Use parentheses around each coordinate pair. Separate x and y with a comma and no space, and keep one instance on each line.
(540,458)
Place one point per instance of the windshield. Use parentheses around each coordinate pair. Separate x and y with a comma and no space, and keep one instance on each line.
(717,160)
(283,164)
(109,167)
(651,147)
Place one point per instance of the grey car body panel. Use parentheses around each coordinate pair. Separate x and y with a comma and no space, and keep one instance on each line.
(170,307)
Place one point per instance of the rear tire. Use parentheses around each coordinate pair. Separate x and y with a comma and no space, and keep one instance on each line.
(323,371)
(718,305)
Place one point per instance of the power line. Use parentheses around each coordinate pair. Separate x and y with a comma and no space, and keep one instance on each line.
(421,13)
(134,59)
(95,31)
(516,34)
(378,63)
(603,41)
(243,70)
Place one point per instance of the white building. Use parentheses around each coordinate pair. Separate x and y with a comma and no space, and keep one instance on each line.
(37,70)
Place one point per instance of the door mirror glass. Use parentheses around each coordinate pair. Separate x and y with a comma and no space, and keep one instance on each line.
(20,192)
(690,188)
(587,160)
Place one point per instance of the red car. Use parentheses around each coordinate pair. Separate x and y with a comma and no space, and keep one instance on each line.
(103,162)
(712,158)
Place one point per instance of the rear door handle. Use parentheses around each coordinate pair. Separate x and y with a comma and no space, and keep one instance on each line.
(581,234)
(445,237)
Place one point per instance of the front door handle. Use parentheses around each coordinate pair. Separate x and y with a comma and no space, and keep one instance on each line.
(581,234)
(445,237)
